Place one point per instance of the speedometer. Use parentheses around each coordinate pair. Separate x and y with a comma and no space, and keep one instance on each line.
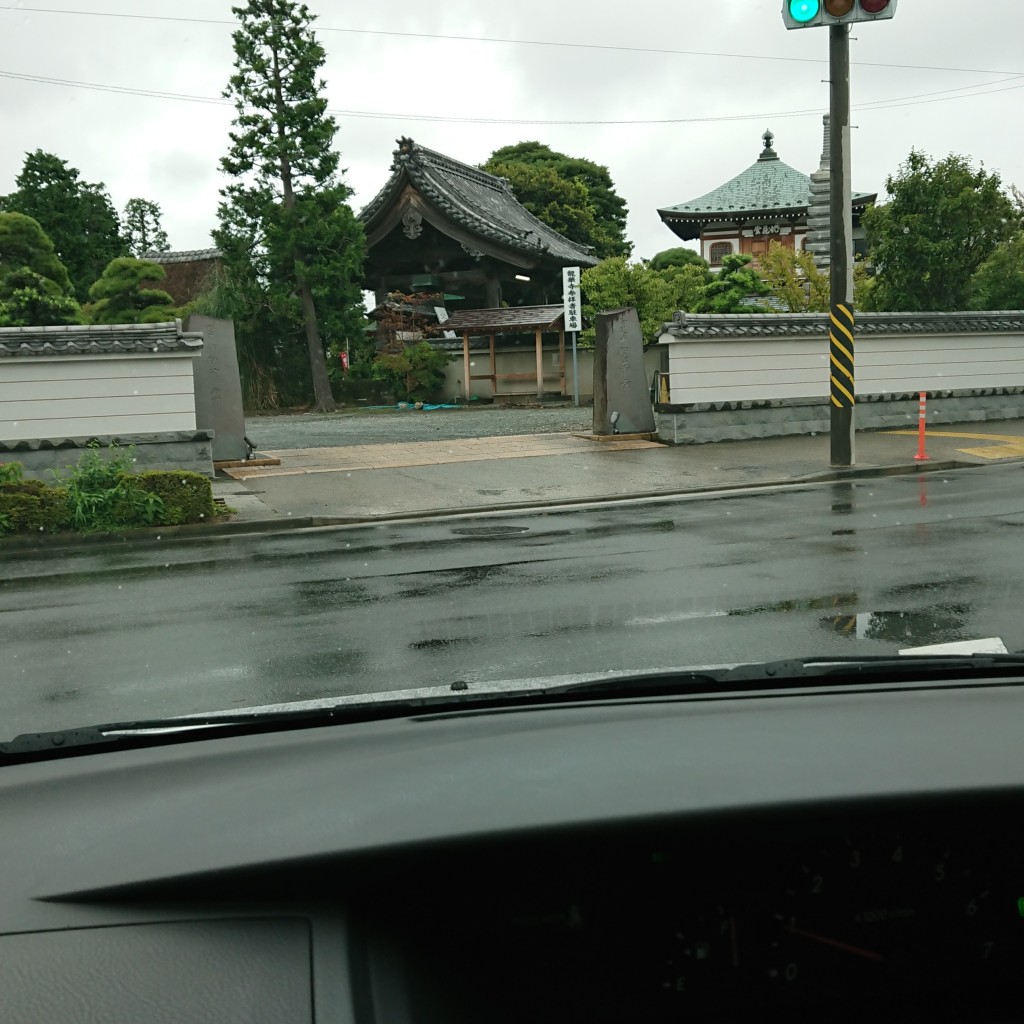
(891,913)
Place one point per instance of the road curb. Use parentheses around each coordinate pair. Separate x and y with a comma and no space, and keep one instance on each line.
(27,545)
(828,476)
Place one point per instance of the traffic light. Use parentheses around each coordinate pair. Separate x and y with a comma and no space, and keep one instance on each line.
(812,13)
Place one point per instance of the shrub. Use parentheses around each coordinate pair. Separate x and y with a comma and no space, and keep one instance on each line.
(417,371)
(11,472)
(185,497)
(31,505)
(104,493)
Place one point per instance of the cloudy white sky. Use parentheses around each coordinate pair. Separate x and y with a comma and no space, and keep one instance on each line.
(944,75)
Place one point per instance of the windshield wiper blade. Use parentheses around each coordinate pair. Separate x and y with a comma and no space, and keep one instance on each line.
(459,696)
(796,673)
(772,676)
(856,669)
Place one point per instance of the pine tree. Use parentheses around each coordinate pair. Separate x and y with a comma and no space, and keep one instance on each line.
(142,228)
(121,295)
(292,246)
(35,290)
(77,216)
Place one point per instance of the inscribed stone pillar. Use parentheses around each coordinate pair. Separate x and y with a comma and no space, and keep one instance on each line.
(619,376)
(218,388)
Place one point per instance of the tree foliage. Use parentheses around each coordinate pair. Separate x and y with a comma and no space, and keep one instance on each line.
(120,295)
(616,283)
(678,257)
(734,289)
(999,282)
(292,247)
(794,282)
(591,213)
(35,290)
(78,216)
(143,230)
(943,220)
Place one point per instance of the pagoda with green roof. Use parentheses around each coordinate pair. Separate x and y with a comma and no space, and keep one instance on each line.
(767,202)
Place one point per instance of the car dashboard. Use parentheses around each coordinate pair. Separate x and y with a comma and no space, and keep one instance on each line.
(822,854)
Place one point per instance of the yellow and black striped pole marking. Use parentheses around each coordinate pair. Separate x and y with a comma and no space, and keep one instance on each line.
(841,353)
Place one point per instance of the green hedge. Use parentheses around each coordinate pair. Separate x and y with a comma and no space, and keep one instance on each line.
(187,497)
(31,505)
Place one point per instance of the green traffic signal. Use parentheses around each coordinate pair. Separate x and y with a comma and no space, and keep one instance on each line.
(802,11)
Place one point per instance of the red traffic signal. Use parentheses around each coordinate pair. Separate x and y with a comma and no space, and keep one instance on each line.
(813,13)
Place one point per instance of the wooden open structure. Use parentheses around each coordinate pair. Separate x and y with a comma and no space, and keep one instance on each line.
(445,226)
(491,323)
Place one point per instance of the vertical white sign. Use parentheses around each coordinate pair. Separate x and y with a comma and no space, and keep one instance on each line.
(571,299)
(442,317)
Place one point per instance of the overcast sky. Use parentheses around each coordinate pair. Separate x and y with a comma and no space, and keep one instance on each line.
(722,70)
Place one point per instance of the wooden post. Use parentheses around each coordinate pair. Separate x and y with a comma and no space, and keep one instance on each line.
(540,363)
(561,358)
(494,370)
(493,292)
(465,365)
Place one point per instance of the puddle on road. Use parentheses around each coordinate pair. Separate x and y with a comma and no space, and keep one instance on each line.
(490,531)
(941,623)
(799,605)
(931,623)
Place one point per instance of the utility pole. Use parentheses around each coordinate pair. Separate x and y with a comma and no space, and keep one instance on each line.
(838,15)
(843,388)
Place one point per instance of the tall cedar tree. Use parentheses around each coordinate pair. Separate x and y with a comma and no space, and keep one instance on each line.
(944,219)
(143,230)
(289,238)
(77,216)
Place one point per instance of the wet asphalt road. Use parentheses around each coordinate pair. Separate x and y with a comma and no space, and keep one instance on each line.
(172,627)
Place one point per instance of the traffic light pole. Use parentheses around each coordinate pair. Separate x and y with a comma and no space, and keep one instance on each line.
(843,391)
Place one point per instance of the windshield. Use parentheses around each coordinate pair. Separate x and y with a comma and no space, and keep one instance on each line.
(353,352)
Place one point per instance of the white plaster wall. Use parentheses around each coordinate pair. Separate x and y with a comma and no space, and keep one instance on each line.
(80,396)
(750,369)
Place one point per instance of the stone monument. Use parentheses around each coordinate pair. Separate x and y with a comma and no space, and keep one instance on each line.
(622,401)
(219,388)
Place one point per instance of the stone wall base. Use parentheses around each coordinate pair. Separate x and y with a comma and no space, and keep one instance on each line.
(191,451)
(702,423)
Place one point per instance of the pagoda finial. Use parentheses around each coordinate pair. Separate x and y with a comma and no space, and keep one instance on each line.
(768,139)
(768,153)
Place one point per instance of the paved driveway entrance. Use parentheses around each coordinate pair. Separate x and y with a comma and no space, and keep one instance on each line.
(348,459)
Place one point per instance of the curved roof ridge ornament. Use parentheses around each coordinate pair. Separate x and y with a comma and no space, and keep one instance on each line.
(404,154)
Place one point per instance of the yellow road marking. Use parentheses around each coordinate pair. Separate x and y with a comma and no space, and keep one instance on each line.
(1007,446)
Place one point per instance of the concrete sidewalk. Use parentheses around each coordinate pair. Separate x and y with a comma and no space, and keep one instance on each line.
(423,477)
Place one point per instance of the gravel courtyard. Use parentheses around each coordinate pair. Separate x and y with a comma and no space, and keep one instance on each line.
(308,430)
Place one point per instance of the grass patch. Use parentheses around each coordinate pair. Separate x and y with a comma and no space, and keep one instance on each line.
(103,494)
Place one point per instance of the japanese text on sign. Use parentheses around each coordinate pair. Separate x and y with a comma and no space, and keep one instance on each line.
(571,299)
